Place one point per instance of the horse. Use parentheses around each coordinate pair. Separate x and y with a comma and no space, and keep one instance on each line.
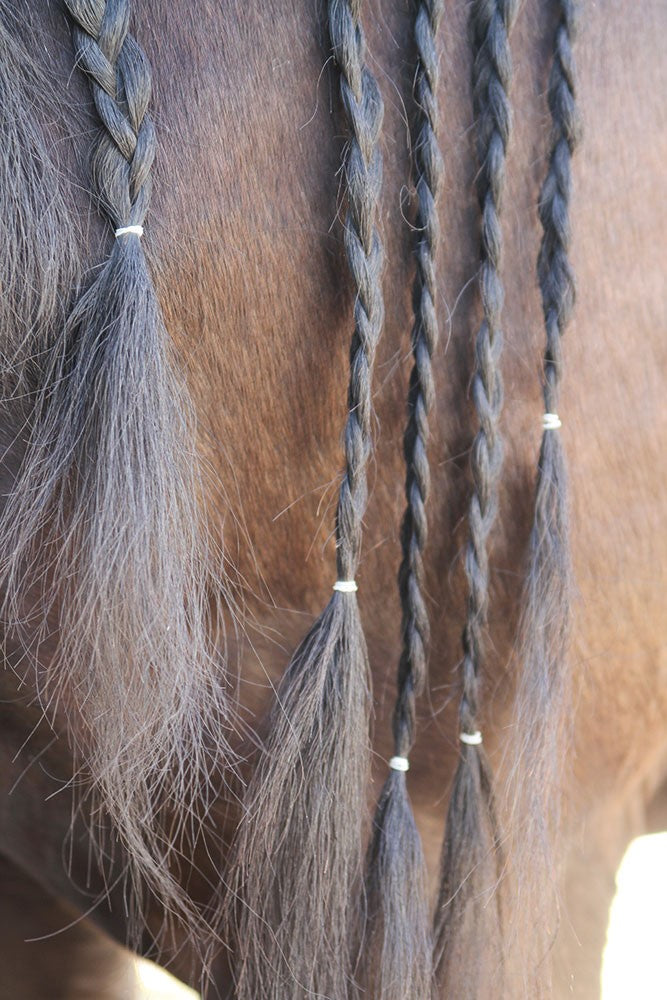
(286,375)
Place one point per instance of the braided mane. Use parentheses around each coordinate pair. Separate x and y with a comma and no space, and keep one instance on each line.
(108,495)
(400,964)
(103,542)
(543,696)
(472,834)
(298,858)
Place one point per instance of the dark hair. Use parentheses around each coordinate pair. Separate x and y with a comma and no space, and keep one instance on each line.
(543,698)
(102,540)
(102,527)
(397,945)
(472,836)
(298,851)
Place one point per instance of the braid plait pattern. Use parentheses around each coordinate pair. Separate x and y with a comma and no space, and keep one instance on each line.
(544,692)
(491,22)
(299,854)
(121,85)
(109,487)
(398,945)
(363,176)
(553,267)
(471,853)
(421,392)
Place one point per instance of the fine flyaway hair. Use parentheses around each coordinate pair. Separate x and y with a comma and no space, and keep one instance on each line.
(101,530)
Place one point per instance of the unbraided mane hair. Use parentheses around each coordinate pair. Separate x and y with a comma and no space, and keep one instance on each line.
(36,263)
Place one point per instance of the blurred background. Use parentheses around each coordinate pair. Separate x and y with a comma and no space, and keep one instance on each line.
(635,960)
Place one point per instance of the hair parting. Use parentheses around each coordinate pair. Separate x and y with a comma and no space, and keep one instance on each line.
(298,852)
(398,946)
(102,530)
(543,697)
(470,857)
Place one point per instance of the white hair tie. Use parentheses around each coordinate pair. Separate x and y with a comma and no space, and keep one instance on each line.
(472,739)
(551,422)
(127,230)
(345,586)
(399,764)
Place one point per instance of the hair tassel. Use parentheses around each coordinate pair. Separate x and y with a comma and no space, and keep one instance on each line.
(298,852)
(398,947)
(543,694)
(470,854)
(110,431)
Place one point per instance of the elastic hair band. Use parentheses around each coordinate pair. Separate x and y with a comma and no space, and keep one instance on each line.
(345,586)
(126,230)
(551,422)
(472,739)
(399,764)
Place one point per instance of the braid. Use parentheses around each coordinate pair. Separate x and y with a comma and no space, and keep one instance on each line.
(553,267)
(471,831)
(363,174)
(396,881)
(298,852)
(543,694)
(121,84)
(421,392)
(491,81)
(109,487)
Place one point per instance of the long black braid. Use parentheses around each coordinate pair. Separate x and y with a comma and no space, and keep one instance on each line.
(471,830)
(543,694)
(400,963)
(300,850)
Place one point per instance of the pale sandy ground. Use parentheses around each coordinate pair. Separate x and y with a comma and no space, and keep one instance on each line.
(635,962)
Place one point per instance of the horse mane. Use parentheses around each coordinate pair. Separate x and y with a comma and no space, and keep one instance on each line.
(103,534)
(104,541)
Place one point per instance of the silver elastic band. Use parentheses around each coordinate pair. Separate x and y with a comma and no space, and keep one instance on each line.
(345,586)
(126,230)
(551,422)
(472,739)
(399,764)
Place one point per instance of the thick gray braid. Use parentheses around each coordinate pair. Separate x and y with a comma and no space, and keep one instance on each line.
(491,22)
(121,84)
(553,267)
(363,173)
(421,392)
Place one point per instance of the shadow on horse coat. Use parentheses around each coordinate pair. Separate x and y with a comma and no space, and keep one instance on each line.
(245,249)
